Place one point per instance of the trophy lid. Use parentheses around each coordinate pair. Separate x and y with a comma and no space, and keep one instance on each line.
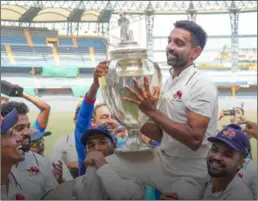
(127,48)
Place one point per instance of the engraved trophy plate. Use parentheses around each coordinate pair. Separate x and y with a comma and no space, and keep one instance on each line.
(128,60)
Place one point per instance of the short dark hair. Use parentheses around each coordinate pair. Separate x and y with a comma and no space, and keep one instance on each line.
(198,35)
(95,109)
(21,108)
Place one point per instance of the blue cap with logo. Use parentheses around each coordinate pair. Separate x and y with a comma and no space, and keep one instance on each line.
(95,130)
(9,121)
(234,137)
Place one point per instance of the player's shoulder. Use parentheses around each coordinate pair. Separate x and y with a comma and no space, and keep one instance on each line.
(249,170)
(250,165)
(242,192)
(203,78)
(240,189)
(203,83)
(43,160)
(239,185)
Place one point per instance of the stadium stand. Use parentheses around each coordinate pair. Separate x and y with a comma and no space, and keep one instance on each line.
(20,47)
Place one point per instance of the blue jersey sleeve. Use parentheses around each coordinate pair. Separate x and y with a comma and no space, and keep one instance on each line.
(37,126)
(83,123)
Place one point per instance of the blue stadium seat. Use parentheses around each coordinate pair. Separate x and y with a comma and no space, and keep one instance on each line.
(41,55)
(18,40)
(65,42)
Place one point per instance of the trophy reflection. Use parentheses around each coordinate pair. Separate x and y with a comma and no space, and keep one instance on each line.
(128,60)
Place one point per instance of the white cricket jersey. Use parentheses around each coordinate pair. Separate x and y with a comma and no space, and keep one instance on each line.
(15,190)
(236,190)
(194,91)
(64,149)
(35,175)
(249,175)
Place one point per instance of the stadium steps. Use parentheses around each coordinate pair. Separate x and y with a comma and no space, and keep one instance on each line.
(55,55)
(92,55)
(10,54)
(28,37)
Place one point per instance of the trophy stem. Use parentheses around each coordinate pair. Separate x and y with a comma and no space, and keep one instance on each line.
(134,143)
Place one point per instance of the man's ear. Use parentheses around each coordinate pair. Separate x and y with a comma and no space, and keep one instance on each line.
(196,52)
(241,163)
(93,123)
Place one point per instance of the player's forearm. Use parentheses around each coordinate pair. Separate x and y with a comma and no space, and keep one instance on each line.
(92,93)
(43,106)
(183,133)
(152,131)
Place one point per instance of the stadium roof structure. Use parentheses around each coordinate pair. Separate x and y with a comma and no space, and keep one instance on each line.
(102,11)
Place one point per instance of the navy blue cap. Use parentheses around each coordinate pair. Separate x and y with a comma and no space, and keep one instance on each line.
(95,130)
(9,121)
(234,137)
(37,135)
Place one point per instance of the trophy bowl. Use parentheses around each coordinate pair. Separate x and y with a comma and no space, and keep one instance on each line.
(128,60)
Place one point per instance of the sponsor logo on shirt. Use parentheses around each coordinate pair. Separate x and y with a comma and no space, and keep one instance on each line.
(33,171)
(240,175)
(178,95)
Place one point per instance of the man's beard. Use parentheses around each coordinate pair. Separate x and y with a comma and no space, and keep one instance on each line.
(176,60)
(215,172)
(26,145)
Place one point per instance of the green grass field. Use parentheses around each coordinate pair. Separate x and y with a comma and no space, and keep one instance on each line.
(61,124)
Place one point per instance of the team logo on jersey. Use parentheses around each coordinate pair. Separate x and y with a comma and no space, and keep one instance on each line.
(20,197)
(33,171)
(240,175)
(229,133)
(178,95)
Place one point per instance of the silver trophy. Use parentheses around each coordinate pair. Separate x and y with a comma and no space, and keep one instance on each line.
(128,60)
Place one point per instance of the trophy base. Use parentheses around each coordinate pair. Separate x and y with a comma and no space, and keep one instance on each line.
(134,143)
(131,150)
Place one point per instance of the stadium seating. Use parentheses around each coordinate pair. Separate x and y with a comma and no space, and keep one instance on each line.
(27,47)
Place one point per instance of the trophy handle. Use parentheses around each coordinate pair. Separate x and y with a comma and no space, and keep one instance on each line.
(103,83)
(158,69)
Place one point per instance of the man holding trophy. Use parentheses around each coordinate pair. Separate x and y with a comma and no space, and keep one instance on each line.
(182,119)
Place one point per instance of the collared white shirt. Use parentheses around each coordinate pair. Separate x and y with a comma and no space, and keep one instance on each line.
(194,91)
(35,175)
(64,149)
(236,190)
(15,190)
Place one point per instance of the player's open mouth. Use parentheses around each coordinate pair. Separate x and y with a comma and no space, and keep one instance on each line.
(20,149)
(25,147)
(171,56)
(216,165)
